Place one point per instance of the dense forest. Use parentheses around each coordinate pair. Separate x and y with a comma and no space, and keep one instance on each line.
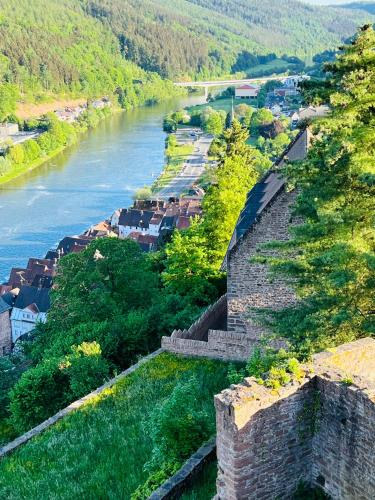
(92,47)
(204,37)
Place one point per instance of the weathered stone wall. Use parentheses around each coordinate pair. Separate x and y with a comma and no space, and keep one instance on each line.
(5,333)
(249,284)
(261,453)
(214,317)
(344,445)
(320,431)
(219,345)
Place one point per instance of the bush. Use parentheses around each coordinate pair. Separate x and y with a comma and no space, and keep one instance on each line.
(155,480)
(180,425)
(40,392)
(54,383)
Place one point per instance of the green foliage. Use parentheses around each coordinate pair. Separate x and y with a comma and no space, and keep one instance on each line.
(194,256)
(8,99)
(330,259)
(51,385)
(108,431)
(261,117)
(181,423)
(272,368)
(202,38)
(156,479)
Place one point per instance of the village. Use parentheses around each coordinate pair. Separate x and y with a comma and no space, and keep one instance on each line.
(25,297)
(10,133)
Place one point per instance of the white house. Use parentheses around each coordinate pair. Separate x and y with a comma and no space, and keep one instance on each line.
(132,220)
(247,92)
(7,129)
(30,308)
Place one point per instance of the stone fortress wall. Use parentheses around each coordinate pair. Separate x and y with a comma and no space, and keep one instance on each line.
(248,283)
(319,431)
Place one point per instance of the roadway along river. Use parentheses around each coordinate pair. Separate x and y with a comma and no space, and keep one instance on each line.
(82,185)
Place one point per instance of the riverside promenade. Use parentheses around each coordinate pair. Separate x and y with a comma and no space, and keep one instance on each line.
(194,165)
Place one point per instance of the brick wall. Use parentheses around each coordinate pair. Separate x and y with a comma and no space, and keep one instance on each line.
(249,284)
(320,430)
(261,455)
(5,333)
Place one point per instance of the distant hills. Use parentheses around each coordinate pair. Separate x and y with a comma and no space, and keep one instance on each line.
(88,46)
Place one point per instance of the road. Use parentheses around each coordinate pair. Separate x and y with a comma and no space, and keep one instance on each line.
(193,167)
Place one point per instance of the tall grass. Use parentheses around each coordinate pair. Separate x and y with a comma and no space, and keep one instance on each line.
(204,485)
(99,451)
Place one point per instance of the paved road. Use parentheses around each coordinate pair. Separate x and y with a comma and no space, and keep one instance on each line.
(193,167)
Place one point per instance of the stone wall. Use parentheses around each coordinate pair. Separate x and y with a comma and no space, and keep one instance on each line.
(319,430)
(220,344)
(249,284)
(260,453)
(5,333)
(177,484)
(344,444)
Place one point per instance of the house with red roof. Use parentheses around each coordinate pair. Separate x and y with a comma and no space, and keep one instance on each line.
(247,92)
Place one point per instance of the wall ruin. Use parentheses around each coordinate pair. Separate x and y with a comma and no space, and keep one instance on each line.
(319,430)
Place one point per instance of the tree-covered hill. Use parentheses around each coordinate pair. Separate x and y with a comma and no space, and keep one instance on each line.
(91,47)
(205,37)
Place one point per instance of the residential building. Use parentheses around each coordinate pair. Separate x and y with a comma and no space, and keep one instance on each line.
(37,271)
(131,220)
(147,242)
(285,91)
(5,327)
(8,129)
(30,307)
(246,92)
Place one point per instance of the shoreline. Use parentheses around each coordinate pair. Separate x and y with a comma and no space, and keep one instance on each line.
(40,161)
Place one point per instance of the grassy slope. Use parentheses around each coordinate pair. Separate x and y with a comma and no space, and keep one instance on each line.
(99,451)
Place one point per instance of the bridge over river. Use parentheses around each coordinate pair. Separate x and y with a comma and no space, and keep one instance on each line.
(230,83)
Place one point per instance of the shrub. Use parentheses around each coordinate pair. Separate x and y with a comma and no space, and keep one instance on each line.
(181,423)
(155,480)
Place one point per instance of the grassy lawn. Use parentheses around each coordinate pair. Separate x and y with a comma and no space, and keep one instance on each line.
(177,155)
(99,450)
(204,487)
(225,104)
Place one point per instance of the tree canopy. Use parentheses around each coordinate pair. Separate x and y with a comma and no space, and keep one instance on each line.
(332,261)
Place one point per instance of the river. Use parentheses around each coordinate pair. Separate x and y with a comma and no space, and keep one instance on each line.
(82,185)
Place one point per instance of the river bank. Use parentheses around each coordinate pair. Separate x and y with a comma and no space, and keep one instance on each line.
(84,183)
(73,131)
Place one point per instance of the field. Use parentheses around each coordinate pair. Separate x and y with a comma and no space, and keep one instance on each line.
(276,66)
(99,451)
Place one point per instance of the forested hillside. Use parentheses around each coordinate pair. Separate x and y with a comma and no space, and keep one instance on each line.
(91,47)
(205,36)
(53,47)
